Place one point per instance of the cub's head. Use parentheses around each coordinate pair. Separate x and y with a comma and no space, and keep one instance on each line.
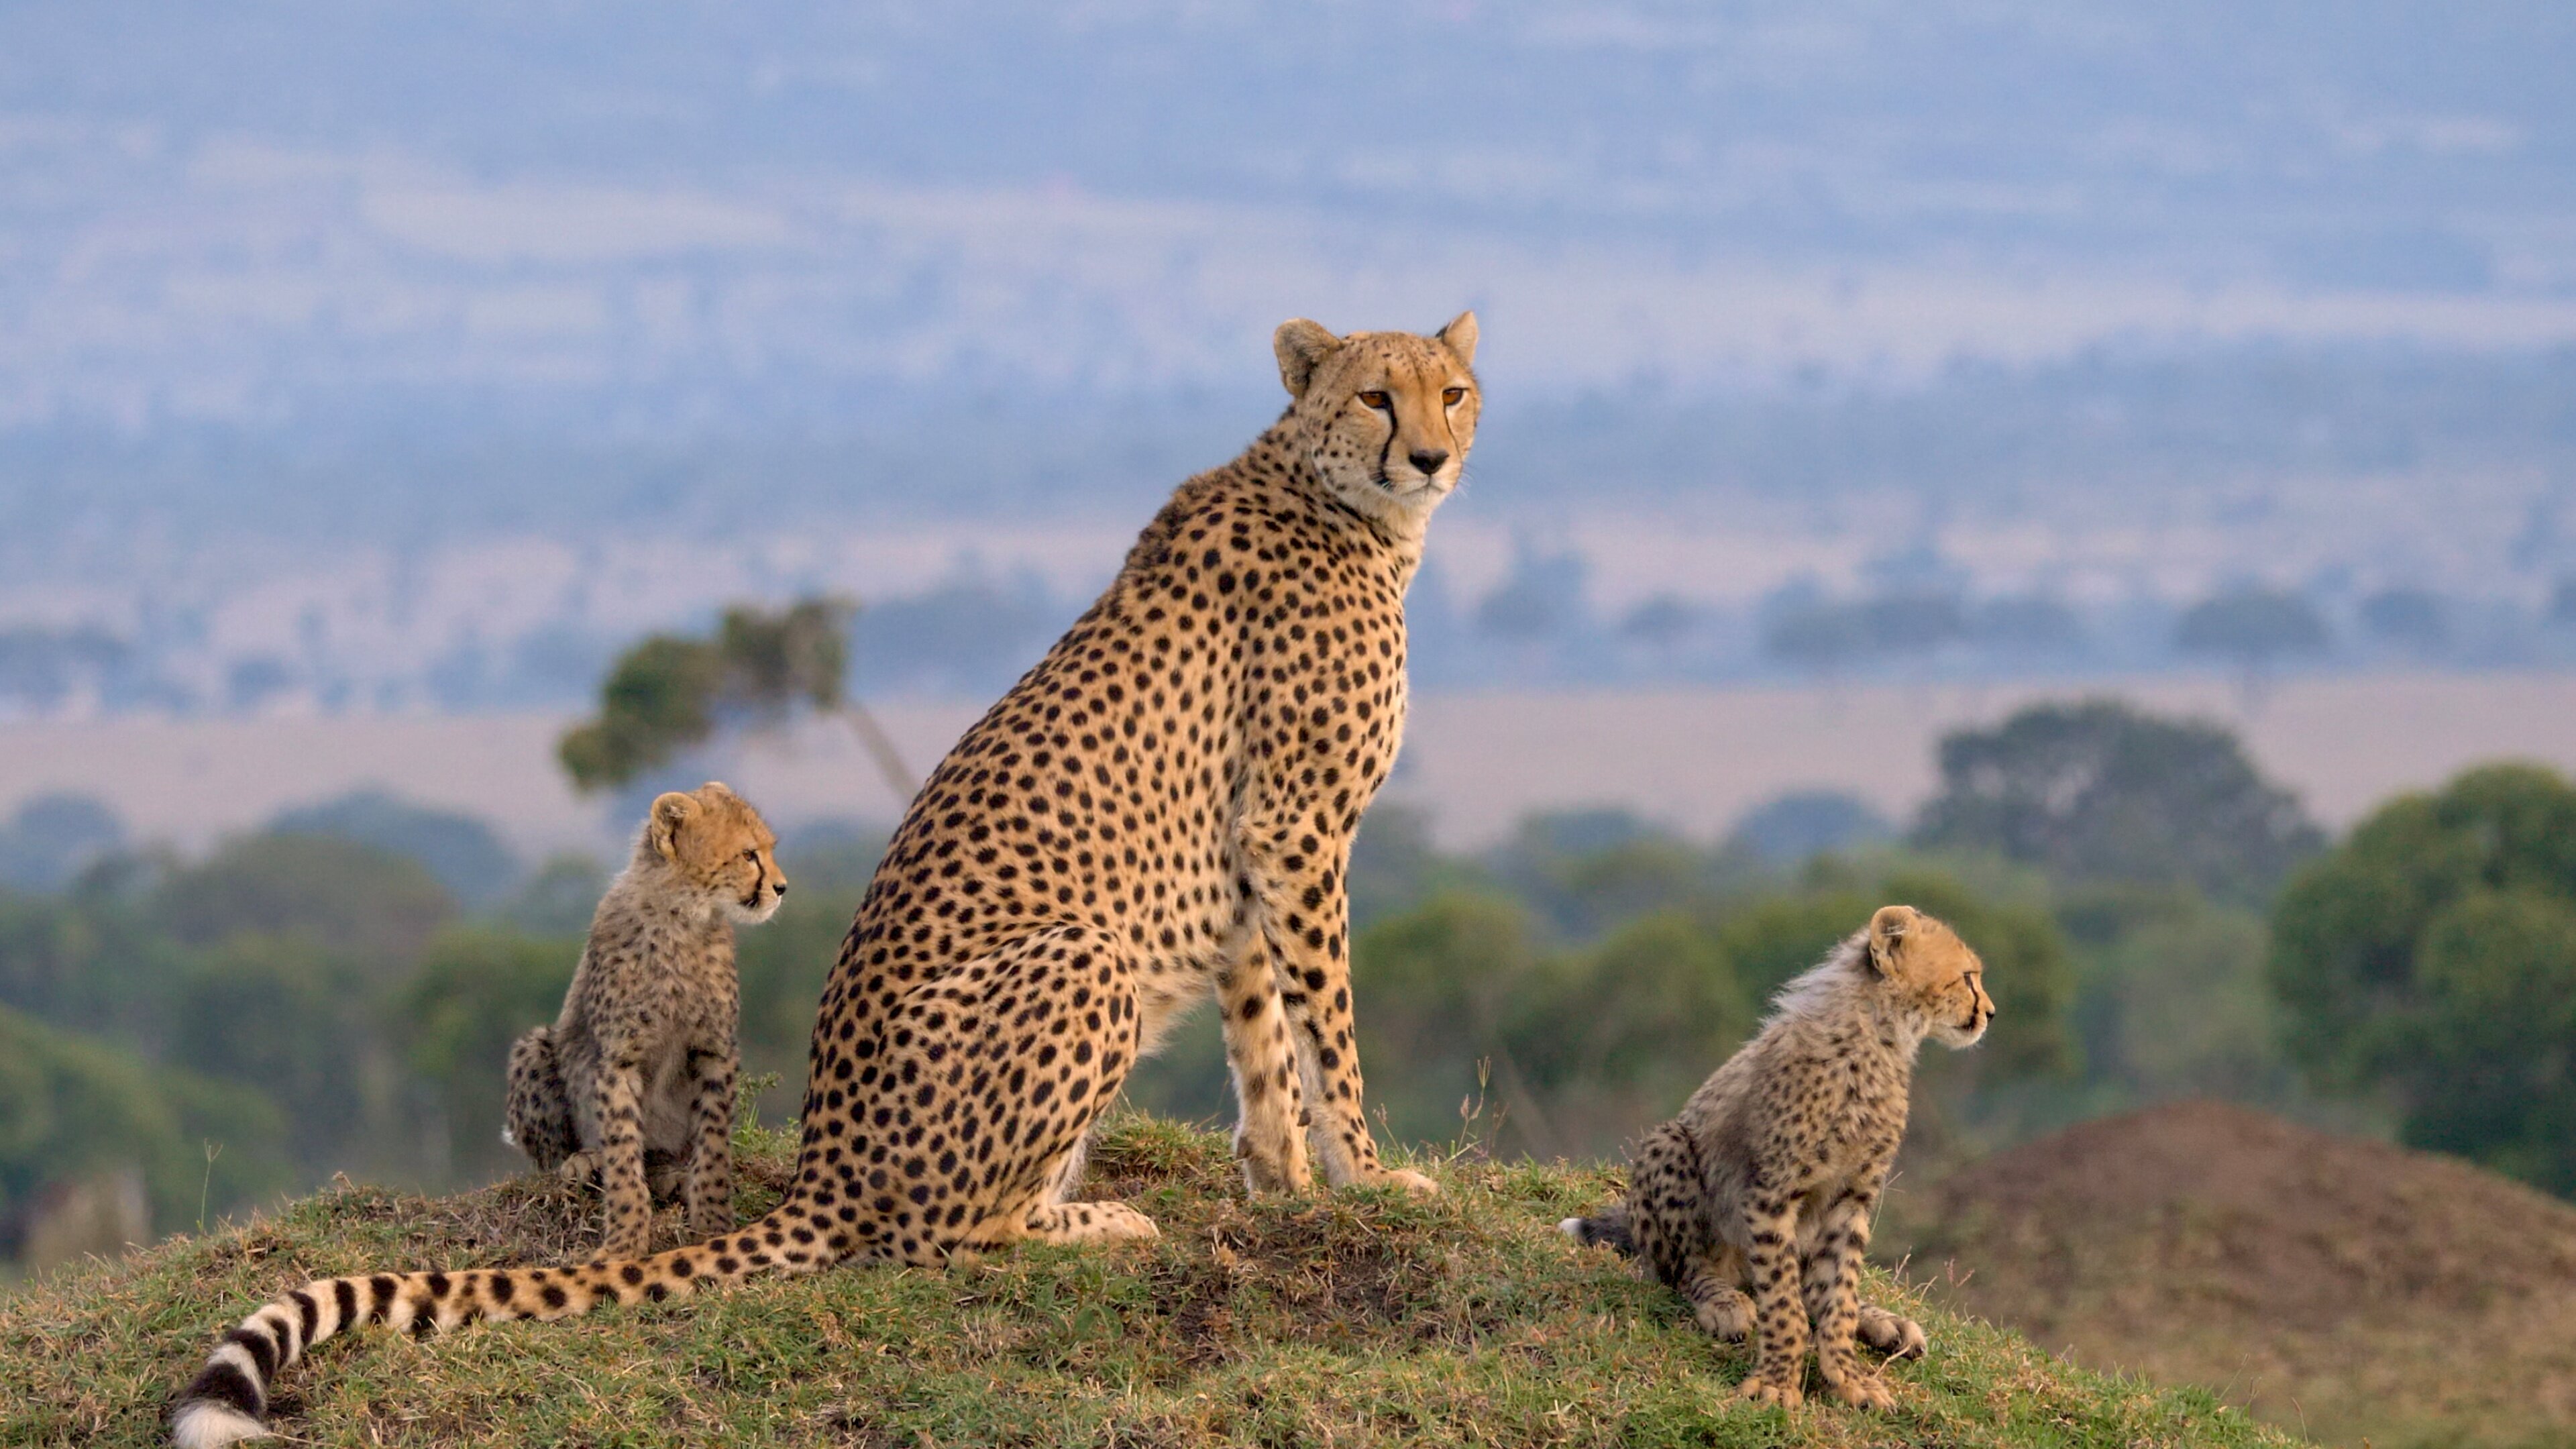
(720,845)
(1386,418)
(1932,972)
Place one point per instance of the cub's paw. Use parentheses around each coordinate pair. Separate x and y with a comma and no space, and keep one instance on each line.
(1896,1337)
(1412,1182)
(1766,1388)
(1861,1390)
(1728,1316)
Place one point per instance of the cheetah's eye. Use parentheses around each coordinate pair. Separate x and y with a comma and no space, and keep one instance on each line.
(752,855)
(1451,397)
(1374,399)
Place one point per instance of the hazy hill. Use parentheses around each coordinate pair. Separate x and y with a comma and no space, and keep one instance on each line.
(2360,1291)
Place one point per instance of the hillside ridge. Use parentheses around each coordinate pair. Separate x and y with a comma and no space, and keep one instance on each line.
(1350,1318)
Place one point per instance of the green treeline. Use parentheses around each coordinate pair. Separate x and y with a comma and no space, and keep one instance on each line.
(2158,921)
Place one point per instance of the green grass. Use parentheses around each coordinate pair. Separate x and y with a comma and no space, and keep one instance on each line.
(1350,1318)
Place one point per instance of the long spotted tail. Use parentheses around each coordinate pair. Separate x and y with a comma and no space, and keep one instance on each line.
(1610,1225)
(226,1402)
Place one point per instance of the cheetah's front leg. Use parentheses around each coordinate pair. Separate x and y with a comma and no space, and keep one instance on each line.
(1305,925)
(1833,1296)
(709,1192)
(1269,1137)
(1771,1224)
(621,1162)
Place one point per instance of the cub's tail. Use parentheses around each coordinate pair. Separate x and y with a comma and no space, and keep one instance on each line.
(226,1401)
(1610,1225)
(539,1114)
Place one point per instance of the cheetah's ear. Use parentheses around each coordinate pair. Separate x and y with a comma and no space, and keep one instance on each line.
(663,826)
(1886,931)
(1302,347)
(1460,338)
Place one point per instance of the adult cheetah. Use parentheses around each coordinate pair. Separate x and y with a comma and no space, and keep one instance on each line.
(1161,808)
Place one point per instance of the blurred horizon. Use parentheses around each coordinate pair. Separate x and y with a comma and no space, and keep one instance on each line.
(408,359)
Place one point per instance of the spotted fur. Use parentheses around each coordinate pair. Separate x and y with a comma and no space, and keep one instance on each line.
(1767,1180)
(1161,810)
(634,1081)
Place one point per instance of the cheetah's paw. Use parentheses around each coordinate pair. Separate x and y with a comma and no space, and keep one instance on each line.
(1762,1388)
(1862,1390)
(1891,1335)
(1411,1181)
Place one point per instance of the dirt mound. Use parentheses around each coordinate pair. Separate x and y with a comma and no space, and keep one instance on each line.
(2349,1287)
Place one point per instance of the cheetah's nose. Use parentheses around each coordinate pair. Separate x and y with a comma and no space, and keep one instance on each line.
(1429,459)
(779,888)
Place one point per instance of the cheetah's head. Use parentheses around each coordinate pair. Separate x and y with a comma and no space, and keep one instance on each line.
(720,845)
(1932,972)
(1385,418)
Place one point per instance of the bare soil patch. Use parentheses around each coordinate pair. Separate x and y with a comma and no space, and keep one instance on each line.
(2348,1288)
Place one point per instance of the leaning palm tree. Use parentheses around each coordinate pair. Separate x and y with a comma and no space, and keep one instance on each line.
(671,691)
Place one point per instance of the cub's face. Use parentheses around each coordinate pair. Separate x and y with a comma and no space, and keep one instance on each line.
(1385,418)
(722,846)
(1934,972)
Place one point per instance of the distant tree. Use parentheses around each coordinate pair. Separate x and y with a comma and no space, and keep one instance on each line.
(558,897)
(1543,595)
(1583,871)
(284,1016)
(1645,1015)
(2408,618)
(1795,827)
(1823,636)
(71,1106)
(2172,999)
(1661,621)
(968,634)
(670,692)
(2432,957)
(2254,629)
(41,667)
(1438,987)
(2027,624)
(89,962)
(371,907)
(2102,791)
(1396,864)
(53,838)
(476,990)
(463,852)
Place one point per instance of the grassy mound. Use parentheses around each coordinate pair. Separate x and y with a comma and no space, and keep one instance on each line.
(1353,1318)
(2349,1288)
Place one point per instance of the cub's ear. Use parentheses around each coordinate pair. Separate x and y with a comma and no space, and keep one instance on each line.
(669,812)
(1460,338)
(717,790)
(1302,347)
(1886,931)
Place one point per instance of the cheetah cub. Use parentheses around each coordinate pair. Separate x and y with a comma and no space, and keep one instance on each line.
(1767,1179)
(635,1080)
